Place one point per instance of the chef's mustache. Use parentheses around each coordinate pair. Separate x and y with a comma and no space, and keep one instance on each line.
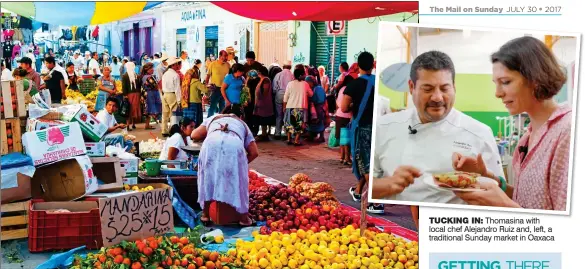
(435,104)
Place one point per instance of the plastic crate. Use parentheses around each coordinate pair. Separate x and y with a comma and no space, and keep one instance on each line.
(63,231)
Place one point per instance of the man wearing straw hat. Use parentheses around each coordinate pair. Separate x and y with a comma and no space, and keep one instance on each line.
(231,55)
(171,88)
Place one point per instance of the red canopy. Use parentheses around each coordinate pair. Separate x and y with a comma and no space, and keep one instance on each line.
(315,10)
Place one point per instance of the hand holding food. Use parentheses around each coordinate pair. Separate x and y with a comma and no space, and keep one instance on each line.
(492,196)
(403,176)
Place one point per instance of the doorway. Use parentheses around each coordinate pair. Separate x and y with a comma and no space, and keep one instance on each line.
(211,40)
(181,41)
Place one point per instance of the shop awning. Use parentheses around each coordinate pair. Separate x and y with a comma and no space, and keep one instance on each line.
(77,13)
(315,10)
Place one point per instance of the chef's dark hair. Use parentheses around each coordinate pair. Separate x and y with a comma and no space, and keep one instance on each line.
(184,122)
(535,62)
(432,60)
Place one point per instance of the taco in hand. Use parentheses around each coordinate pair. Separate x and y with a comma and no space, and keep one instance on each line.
(456,179)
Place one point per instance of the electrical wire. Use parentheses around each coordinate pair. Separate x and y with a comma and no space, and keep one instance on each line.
(406,19)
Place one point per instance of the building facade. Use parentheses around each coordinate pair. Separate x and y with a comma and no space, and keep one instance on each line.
(203,29)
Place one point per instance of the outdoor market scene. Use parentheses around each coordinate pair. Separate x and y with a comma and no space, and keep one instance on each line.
(207,135)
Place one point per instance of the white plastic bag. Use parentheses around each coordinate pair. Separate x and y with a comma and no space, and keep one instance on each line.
(9,176)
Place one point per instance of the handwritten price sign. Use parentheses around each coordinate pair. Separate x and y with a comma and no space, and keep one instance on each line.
(136,216)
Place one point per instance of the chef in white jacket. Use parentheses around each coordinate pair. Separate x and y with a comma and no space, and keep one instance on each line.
(431,137)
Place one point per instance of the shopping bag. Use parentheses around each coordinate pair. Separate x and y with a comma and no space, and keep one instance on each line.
(125,108)
(333,142)
(46,95)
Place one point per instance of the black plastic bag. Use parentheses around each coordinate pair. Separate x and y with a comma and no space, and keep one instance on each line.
(125,108)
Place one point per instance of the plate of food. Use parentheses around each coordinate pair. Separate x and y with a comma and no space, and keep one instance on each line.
(456,180)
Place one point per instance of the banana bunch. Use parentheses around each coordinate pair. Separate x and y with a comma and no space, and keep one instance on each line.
(119,86)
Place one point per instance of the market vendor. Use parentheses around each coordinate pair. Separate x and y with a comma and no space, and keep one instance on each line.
(54,81)
(541,158)
(179,137)
(424,138)
(228,147)
(107,88)
(74,78)
(106,116)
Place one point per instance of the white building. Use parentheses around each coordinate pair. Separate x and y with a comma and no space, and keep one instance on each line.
(201,29)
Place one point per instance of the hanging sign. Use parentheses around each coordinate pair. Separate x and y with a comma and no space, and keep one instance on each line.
(336,28)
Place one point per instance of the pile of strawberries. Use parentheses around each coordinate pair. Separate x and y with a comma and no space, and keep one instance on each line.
(156,252)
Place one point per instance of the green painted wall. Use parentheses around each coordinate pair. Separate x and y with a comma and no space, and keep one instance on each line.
(488,118)
(475,96)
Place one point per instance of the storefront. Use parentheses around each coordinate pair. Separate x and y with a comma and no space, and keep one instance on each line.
(202,30)
(137,35)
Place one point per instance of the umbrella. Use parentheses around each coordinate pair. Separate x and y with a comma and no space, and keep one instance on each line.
(315,10)
(77,13)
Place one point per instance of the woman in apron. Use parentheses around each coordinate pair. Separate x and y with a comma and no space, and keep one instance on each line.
(228,147)
(107,87)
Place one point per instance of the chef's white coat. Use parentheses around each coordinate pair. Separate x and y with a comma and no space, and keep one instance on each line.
(430,150)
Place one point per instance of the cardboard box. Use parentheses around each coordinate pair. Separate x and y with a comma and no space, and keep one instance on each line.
(130,180)
(42,124)
(91,127)
(95,149)
(130,166)
(18,193)
(54,144)
(136,215)
(65,180)
(109,171)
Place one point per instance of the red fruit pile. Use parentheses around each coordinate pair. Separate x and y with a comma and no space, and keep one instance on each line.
(273,202)
(256,182)
(311,217)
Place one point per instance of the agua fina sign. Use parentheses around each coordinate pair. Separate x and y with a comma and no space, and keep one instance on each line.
(192,15)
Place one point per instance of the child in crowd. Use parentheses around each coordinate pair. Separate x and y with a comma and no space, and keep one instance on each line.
(106,116)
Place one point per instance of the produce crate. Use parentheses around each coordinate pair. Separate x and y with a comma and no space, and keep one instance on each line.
(64,230)
(11,135)
(87,85)
(14,220)
(12,102)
